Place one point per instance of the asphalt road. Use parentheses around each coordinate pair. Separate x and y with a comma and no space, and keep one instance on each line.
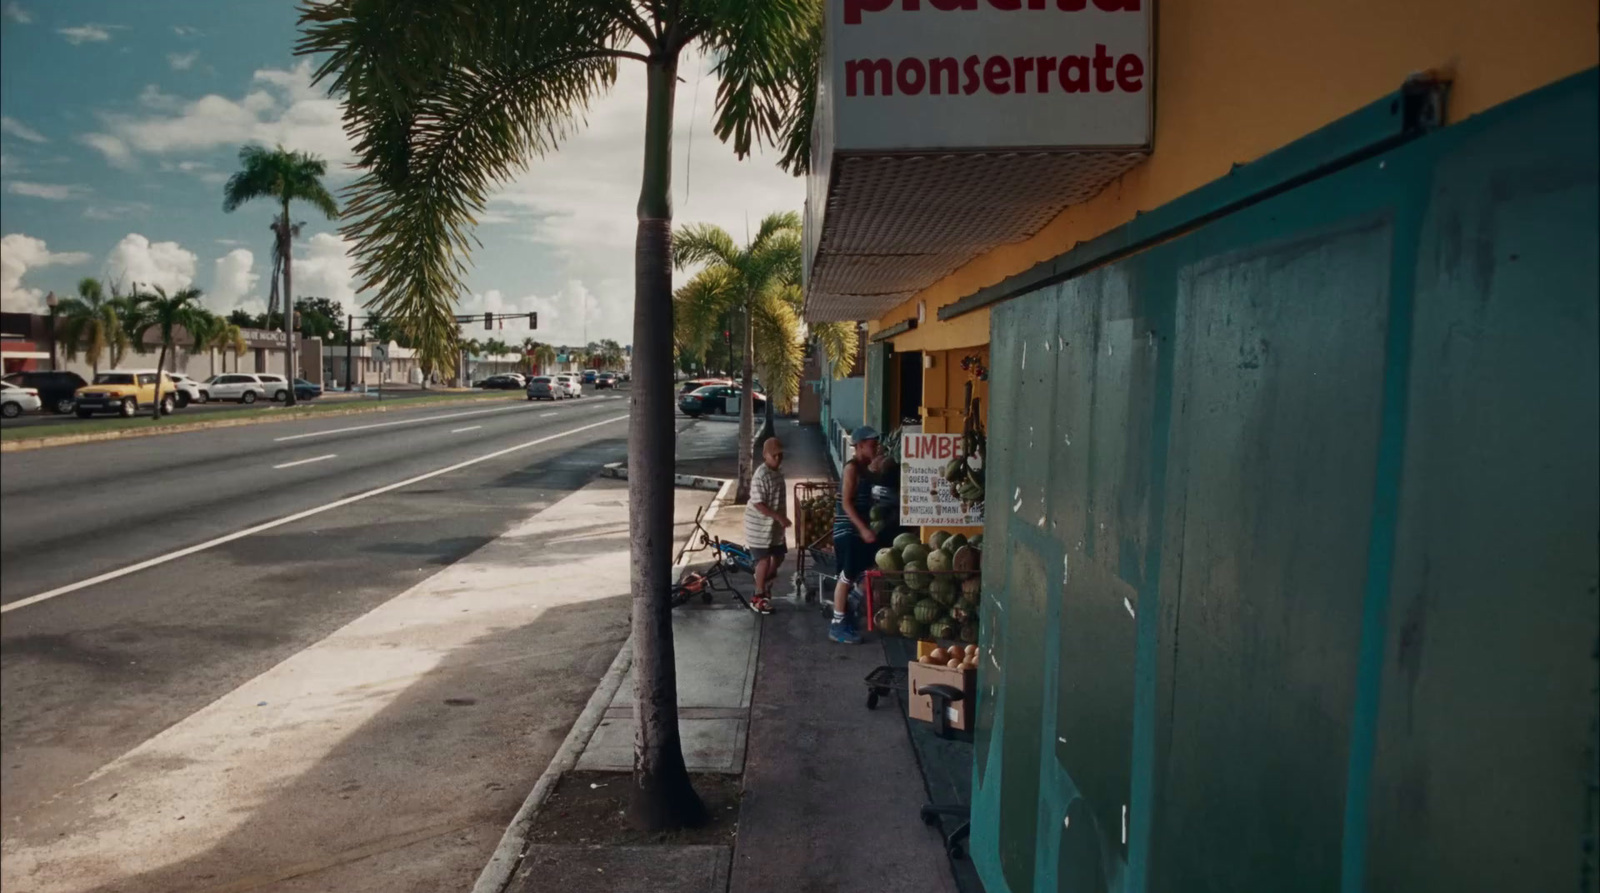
(89,673)
(201,410)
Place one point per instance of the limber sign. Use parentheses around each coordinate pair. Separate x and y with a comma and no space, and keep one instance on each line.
(925,497)
(990,74)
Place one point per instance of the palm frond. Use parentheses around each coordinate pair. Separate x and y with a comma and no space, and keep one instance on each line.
(700,304)
(760,46)
(701,243)
(838,340)
(779,345)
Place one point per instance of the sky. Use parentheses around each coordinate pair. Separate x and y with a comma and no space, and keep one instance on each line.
(120,121)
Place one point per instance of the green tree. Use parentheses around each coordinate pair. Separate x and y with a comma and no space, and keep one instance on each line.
(166,314)
(751,282)
(284,177)
(243,319)
(447,100)
(321,318)
(227,336)
(90,322)
(545,355)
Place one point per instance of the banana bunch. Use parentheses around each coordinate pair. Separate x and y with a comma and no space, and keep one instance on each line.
(966,482)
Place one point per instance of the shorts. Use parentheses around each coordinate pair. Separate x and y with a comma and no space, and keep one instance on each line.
(776,550)
(854,556)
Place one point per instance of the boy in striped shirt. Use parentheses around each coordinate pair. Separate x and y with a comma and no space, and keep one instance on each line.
(766,518)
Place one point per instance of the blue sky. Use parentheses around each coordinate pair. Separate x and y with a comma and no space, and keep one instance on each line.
(119,122)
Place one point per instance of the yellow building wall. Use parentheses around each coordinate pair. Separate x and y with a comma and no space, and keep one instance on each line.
(1237,79)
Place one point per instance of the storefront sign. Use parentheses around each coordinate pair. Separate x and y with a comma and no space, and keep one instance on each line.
(925,497)
(989,74)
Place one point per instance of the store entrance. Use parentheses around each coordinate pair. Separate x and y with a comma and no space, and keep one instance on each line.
(908,408)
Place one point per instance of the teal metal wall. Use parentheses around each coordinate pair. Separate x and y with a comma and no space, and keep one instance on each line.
(1293,526)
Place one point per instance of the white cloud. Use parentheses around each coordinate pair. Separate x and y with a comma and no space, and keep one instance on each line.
(115,150)
(138,260)
(18,129)
(81,34)
(16,13)
(182,61)
(285,110)
(52,191)
(325,270)
(233,282)
(579,201)
(185,31)
(19,254)
(115,210)
(564,317)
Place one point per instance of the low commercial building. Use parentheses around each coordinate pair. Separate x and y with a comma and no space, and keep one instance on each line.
(1280,321)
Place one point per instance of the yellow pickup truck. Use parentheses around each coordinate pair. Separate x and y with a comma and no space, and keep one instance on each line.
(125,392)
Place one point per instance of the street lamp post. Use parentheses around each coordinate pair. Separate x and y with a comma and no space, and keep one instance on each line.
(51,301)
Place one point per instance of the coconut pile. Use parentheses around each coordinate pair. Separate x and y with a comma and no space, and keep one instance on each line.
(936,587)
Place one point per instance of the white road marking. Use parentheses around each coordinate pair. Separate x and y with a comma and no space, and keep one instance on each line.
(306,461)
(468,428)
(290,519)
(546,415)
(431,418)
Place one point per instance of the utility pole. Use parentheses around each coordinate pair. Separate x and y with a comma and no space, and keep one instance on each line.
(349,350)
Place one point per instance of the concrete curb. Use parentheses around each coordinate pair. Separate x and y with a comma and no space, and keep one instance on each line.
(513,843)
(37,443)
(619,470)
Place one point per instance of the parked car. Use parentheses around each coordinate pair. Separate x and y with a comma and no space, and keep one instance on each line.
(55,388)
(499,383)
(712,400)
(695,384)
(15,401)
(542,387)
(189,390)
(277,387)
(605,380)
(239,386)
(569,383)
(305,390)
(125,392)
(589,376)
(522,380)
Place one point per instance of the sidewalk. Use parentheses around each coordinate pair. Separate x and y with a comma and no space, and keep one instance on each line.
(831,790)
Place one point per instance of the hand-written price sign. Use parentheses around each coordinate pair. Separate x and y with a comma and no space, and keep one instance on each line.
(925,497)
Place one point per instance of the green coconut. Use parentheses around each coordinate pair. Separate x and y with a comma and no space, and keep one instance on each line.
(911,628)
(937,540)
(914,552)
(917,576)
(972,586)
(943,629)
(928,610)
(969,633)
(903,600)
(883,618)
(887,560)
(966,559)
(905,539)
(960,614)
(943,590)
(956,541)
(976,542)
(938,560)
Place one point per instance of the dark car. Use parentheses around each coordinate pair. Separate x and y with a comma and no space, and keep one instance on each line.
(589,376)
(500,383)
(605,380)
(695,384)
(305,390)
(712,400)
(55,388)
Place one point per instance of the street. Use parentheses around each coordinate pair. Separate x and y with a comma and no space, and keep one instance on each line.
(147,578)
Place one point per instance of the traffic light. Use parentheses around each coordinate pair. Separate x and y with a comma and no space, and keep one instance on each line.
(488,320)
(533,320)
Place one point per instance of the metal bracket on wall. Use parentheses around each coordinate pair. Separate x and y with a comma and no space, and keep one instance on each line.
(898,328)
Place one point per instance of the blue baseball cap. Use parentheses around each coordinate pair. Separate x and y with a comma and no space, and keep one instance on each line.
(863,434)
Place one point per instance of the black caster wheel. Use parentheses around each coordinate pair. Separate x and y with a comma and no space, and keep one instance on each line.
(955,851)
(930,818)
(872,700)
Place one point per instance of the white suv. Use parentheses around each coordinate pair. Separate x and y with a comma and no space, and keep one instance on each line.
(189,390)
(276,387)
(238,386)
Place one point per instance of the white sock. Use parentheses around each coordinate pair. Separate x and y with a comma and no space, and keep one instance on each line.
(838,616)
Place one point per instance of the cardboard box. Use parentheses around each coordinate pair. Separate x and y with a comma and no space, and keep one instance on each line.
(921,706)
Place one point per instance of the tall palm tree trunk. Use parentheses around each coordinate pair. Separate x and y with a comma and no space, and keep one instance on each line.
(161,365)
(747,402)
(662,796)
(287,235)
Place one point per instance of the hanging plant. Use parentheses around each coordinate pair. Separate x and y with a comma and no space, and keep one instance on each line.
(972,364)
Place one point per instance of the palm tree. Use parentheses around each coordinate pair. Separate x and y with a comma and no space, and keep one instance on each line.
(284,177)
(748,281)
(446,100)
(90,322)
(529,345)
(155,310)
(227,336)
(469,349)
(545,355)
(495,348)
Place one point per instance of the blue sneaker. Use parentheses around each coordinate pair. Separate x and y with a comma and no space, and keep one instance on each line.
(843,633)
